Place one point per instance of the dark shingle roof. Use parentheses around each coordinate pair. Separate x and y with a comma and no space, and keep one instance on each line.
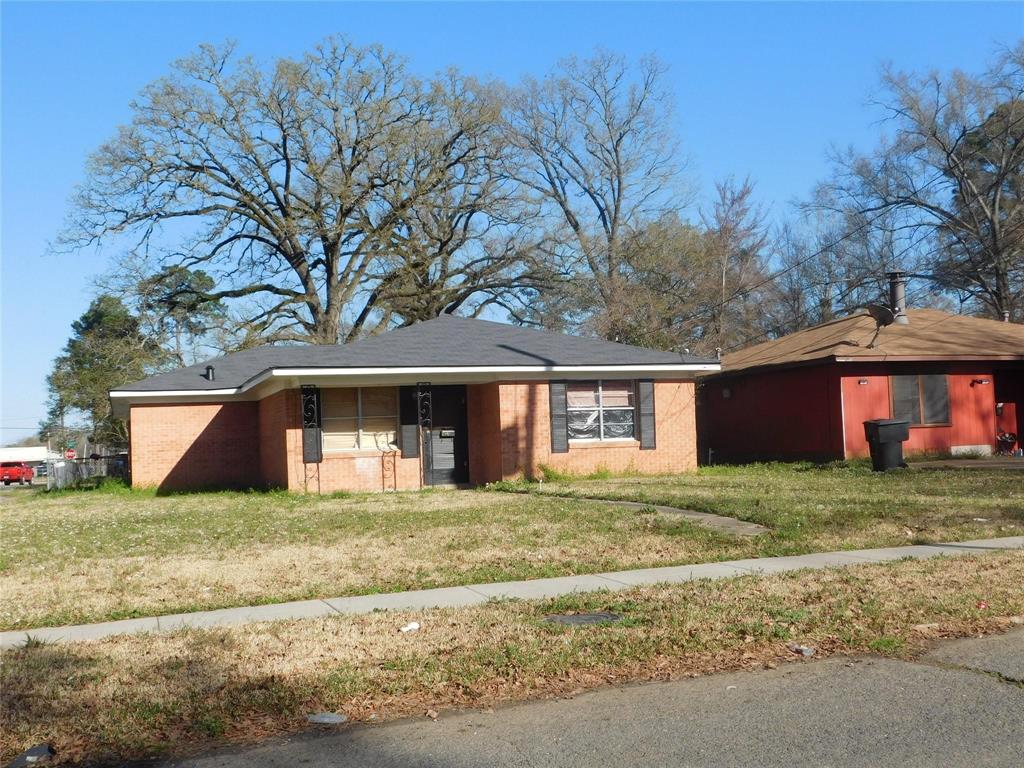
(445,341)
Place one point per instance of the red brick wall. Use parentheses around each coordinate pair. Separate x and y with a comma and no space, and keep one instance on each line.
(276,414)
(281,429)
(184,447)
(260,444)
(483,418)
(526,436)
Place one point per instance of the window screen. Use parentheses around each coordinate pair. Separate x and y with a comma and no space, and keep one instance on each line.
(601,410)
(906,401)
(360,419)
(921,400)
(935,399)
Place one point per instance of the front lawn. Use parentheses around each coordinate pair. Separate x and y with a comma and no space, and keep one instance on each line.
(148,696)
(817,508)
(96,555)
(85,556)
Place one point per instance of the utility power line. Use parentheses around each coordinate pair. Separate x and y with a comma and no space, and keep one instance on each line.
(708,311)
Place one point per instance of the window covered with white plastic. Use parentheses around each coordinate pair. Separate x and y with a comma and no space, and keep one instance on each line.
(601,410)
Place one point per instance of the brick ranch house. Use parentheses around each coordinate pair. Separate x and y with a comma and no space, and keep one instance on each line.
(957,379)
(448,401)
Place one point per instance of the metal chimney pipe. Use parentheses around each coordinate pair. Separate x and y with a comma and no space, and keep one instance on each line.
(209,373)
(898,296)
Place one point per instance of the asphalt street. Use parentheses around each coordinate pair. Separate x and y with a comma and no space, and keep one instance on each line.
(960,705)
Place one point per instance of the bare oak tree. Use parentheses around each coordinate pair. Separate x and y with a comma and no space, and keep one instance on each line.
(595,152)
(949,180)
(696,286)
(326,196)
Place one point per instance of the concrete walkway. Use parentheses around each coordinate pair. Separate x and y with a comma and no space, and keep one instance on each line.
(730,525)
(476,594)
(721,523)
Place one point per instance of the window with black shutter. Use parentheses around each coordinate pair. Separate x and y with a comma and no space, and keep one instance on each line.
(923,400)
(408,421)
(559,419)
(645,401)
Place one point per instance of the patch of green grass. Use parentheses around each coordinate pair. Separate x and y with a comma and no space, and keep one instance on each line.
(110,486)
(209,725)
(551,475)
(888,645)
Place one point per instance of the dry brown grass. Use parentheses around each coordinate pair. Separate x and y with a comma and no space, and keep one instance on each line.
(141,696)
(91,556)
(106,587)
(75,562)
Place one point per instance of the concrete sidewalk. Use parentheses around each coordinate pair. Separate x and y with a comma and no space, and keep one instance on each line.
(475,594)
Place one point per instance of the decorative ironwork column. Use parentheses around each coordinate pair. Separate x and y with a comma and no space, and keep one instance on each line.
(312,441)
(425,417)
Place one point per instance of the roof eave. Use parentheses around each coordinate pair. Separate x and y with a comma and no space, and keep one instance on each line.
(417,373)
(881,358)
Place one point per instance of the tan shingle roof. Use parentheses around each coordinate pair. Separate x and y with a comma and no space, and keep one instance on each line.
(931,335)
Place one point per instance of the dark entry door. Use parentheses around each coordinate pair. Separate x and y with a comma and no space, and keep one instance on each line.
(446,444)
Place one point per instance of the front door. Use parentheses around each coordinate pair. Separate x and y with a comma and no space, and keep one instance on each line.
(446,443)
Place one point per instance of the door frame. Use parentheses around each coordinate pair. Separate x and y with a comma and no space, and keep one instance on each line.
(446,410)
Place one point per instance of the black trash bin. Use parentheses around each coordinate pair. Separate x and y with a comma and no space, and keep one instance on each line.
(885,438)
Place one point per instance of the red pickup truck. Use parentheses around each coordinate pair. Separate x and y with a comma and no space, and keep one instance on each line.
(15,471)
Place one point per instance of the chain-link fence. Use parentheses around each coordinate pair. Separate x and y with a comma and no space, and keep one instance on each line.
(75,473)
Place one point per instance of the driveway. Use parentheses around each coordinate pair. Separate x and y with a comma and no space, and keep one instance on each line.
(962,704)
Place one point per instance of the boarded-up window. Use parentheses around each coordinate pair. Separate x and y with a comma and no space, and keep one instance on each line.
(601,410)
(364,418)
(922,400)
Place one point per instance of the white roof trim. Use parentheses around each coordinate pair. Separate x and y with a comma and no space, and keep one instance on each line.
(420,372)
(176,392)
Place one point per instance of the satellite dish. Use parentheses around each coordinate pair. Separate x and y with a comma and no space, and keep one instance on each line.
(883,315)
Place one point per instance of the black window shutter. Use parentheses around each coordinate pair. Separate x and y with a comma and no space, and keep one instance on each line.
(559,418)
(645,396)
(409,424)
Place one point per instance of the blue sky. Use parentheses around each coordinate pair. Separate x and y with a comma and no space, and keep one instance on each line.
(761,89)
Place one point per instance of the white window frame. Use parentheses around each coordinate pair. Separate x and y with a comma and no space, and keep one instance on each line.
(600,412)
(359,423)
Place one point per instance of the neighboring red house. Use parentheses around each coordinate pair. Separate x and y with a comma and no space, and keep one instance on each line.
(958,379)
(449,401)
